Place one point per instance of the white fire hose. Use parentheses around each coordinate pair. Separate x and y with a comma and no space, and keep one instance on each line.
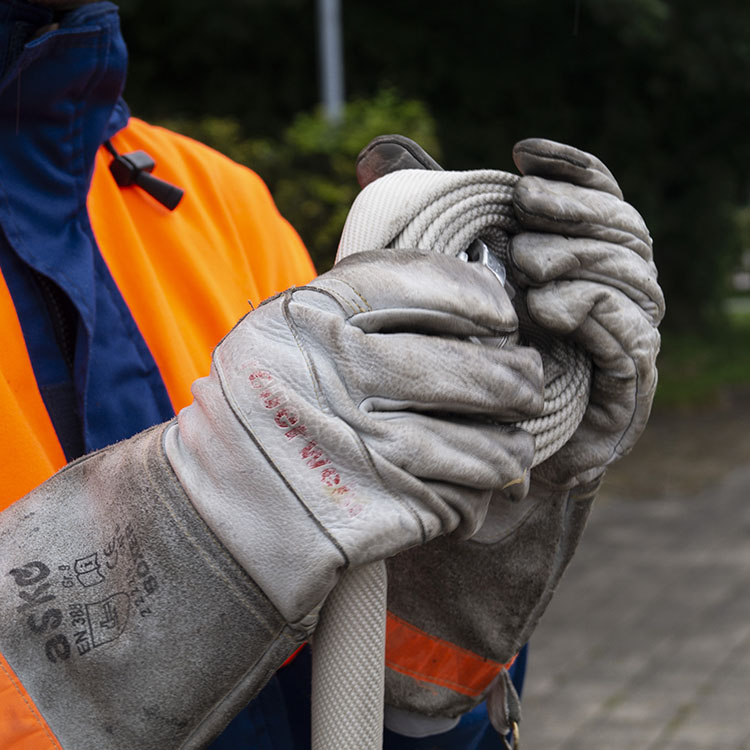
(467,215)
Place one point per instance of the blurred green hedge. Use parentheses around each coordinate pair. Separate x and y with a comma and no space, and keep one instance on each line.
(309,168)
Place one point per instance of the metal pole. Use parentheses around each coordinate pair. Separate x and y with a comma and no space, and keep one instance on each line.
(331,59)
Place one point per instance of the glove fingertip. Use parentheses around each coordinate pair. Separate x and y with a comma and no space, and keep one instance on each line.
(391,153)
(545,158)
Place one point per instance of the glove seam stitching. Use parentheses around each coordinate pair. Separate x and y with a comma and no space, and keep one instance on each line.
(364,450)
(246,427)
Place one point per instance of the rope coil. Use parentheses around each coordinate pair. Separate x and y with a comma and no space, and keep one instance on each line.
(445,212)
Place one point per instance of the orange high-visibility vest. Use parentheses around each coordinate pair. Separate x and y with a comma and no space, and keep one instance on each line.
(187,276)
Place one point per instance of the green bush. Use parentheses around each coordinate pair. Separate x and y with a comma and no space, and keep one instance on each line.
(310,171)
(310,167)
(695,369)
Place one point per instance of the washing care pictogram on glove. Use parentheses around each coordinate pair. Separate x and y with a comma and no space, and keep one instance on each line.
(582,280)
(149,590)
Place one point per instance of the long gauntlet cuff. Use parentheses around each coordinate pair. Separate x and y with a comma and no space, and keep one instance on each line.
(480,600)
(124,617)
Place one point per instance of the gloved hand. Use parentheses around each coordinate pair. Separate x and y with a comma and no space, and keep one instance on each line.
(375,435)
(584,260)
(460,609)
(160,582)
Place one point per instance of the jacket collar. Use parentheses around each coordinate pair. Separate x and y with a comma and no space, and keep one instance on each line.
(60,98)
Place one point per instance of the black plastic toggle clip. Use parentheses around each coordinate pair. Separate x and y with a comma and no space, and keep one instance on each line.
(135,169)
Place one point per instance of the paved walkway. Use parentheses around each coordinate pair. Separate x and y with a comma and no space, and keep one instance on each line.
(647,643)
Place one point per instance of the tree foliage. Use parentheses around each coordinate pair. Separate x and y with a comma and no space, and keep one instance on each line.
(659,89)
(309,167)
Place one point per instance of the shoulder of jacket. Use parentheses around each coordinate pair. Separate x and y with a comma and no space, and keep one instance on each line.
(179,154)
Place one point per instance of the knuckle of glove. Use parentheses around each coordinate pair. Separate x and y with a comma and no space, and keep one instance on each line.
(478,456)
(617,333)
(546,158)
(616,418)
(420,291)
(514,464)
(537,259)
(622,390)
(551,206)
(519,384)
(630,342)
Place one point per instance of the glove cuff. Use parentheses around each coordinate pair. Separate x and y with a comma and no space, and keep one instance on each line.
(122,601)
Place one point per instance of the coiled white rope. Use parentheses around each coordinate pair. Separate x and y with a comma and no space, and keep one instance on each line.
(445,212)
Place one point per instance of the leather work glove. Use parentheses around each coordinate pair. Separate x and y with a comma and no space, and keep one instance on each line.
(584,259)
(149,590)
(459,610)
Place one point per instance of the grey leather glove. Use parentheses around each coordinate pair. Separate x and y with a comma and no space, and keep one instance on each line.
(149,590)
(460,609)
(584,260)
(357,419)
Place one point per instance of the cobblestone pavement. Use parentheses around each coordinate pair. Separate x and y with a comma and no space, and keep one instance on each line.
(647,642)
